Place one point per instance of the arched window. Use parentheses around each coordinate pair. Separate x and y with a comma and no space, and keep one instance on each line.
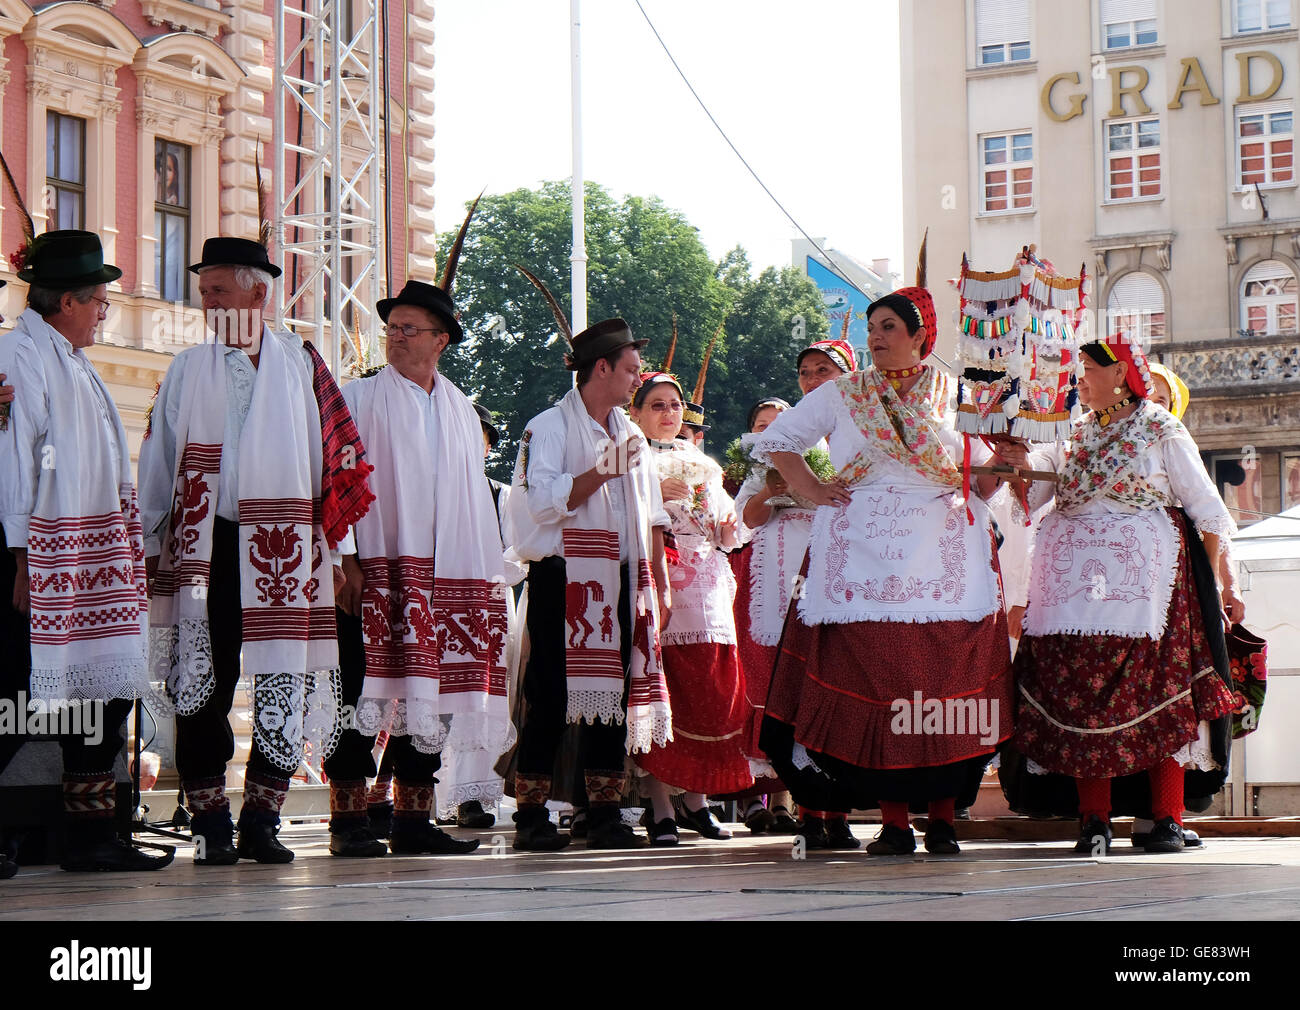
(1268,299)
(1136,306)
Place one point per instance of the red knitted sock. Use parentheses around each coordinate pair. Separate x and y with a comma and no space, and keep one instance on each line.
(1094,799)
(944,809)
(1167,790)
(895,814)
(809,812)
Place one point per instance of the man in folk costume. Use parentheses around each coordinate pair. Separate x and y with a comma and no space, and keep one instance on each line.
(251,473)
(588,519)
(74,603)
(429,578)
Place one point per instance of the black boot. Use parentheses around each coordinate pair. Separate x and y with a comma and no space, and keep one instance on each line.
(355,839)
(214,838)
(535,832)
(414,836)
(472,815)
(606,829)
(380,816)
(257,831)
(97,848)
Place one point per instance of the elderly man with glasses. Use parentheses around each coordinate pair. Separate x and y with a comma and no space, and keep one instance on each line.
(251,474)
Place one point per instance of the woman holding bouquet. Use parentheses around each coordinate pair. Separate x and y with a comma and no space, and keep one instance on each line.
(701,665)
(892,684)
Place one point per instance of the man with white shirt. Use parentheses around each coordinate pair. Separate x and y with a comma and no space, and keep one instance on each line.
(244,499)
(72,582)
(423,629)
(588,519)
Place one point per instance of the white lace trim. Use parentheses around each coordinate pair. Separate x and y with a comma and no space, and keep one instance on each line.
(294,709)
(1198,753)
(1221,526)
(761,768)
(773,444)
(698,637)
(106,679)
(180,663)
(488,794)
(649,728)
(596,706)
(431,731)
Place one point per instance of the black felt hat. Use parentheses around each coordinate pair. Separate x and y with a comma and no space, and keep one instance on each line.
(235,252)
(425,296)
(599,341)
(491,430)
(67,259)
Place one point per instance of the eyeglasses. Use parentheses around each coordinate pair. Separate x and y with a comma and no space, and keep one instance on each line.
(672,406)
(408,331)
(104,302)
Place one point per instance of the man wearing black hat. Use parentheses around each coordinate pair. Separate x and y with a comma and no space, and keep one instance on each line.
(70,520)
(588,518)
(244,505)
(424,614)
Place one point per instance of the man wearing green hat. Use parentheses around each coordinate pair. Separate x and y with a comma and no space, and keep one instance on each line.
(73,595)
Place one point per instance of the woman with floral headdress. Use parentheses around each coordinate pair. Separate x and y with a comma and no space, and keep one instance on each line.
(898,627)
(701,663)
(1117,678)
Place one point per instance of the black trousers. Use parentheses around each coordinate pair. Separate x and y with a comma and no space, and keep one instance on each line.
(205,743)
(80,756)
(353,758)
(602,746)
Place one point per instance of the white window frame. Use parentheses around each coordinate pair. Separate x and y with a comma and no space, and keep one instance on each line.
(1270,301)
(1262,7)
(1267,110)
(1009,166)
(1001,25)
(1135,152)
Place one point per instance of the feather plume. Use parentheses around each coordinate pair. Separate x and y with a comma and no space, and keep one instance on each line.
(848,318)
(672,346)
(29,230)
(453,255)
(920,260)
(698,396)
(561,320)
(263,198)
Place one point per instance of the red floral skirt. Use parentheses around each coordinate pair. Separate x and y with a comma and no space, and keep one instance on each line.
(1098,706)
(707,693)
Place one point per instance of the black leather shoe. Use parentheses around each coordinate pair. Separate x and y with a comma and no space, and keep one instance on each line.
(813,831)
(472,815)
(703,821)
(839,835)
(1166,836)
(783,823)
(7,867)
(1191,840)
(606,830)
(356,843)
(759,819)
(578,823)
(380,816)
(534,832)
(257,841)
(893,841)
(214,839)
(1094,829)
(424,838)
(941,839)
(113,855)
(663,832)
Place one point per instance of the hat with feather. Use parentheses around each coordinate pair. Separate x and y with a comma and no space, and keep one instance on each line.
(595,342)
(224,251)
(435,298)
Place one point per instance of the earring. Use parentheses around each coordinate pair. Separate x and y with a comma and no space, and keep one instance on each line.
(1117,391)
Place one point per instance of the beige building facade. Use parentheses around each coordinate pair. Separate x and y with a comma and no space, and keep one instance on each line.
(1152,142)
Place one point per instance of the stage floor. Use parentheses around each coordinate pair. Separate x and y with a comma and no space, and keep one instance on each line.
(746,878)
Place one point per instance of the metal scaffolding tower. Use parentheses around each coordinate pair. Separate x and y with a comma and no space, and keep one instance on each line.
(327,202)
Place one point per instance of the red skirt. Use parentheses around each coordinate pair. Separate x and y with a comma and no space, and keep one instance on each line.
(887,695)
(755,660)
(1142,698)
(707,694)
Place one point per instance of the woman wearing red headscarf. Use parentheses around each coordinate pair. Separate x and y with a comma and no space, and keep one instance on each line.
(1115,669)
(892,683)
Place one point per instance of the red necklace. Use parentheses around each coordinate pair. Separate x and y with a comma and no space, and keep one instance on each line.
(896,377)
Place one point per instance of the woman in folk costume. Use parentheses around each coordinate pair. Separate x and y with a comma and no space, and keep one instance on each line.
(893,680)
(588,519)
(779,537)
(1122,668)
(701,665)
(72,578)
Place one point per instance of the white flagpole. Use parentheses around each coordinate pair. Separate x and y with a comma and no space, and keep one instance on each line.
(578,258)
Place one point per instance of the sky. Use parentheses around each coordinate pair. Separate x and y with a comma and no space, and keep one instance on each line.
(808,92)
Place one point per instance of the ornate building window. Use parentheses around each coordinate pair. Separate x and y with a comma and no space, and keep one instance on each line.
(171,214)
(1269,300)
(64,198)
(1136,306)
(1265,145)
